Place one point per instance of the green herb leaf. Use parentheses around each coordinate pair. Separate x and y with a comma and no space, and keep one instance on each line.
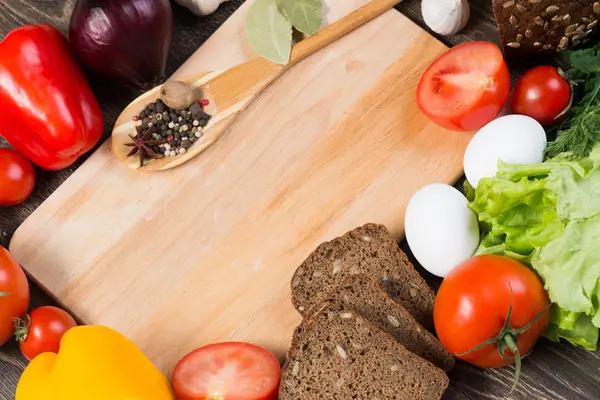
(581,131)
(5,294)
(305,15)
(269,32)
(586,61)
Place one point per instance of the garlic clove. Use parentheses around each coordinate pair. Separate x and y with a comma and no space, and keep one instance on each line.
(201,7)
(446,17)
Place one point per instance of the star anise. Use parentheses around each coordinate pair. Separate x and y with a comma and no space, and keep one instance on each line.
(142,144)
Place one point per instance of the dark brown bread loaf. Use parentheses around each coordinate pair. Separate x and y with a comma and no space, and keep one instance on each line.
(341,356)
(369,250)
(545,26)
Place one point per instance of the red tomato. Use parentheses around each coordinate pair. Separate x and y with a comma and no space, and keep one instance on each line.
(466,87)
(17,178)
(42,331)
(472,305)
(14,294)
(543,94)
(231,370)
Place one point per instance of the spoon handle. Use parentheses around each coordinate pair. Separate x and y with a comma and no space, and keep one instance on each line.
(340,28)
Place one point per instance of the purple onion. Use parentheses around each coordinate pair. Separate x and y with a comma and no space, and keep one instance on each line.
(126,40)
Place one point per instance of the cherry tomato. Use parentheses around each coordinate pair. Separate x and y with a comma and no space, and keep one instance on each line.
(542,94)
(229,371)
(17,178)
(466,87)
(42,331)
(14,294)
(472,305)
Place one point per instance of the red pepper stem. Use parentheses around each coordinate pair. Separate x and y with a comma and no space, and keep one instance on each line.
(512,345)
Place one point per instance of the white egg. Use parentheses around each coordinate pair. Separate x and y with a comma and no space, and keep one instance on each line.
(441,230)
(515,139)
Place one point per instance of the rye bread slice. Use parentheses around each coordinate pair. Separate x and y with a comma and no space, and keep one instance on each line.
(369,250)
(341,356)
(372,303)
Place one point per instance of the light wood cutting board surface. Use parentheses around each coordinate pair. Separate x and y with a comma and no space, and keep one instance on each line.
(205,252)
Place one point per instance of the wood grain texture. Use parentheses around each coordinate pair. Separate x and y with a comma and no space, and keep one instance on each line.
(232,90)
(553,371)
(335,142)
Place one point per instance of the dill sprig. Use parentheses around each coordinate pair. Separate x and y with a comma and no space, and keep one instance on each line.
(580,131)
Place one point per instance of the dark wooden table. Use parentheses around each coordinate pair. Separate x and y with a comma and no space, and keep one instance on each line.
(553,371)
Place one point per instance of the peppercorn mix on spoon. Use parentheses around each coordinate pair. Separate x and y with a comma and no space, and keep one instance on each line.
(228,93)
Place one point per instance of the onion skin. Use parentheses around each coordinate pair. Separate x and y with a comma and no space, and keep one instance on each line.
(125,40)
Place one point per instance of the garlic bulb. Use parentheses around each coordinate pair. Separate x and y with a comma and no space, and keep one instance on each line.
(446,17)
(201,7)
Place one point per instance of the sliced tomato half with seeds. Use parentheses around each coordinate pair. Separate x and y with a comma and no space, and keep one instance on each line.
(466,87)
(227,371)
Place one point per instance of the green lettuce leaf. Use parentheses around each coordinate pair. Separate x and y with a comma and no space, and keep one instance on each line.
(521,215)
(576,328)
(570,267)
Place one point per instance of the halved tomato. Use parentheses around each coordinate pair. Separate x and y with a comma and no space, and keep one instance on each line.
(227,371)
(466,87)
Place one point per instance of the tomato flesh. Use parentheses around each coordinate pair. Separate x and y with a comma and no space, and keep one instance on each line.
(228,371)
(466,87)
(472,305)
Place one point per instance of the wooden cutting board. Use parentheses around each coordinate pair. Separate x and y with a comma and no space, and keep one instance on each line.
(205,252)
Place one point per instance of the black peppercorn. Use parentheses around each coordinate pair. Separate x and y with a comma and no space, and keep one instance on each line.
(160,107)
(195,109)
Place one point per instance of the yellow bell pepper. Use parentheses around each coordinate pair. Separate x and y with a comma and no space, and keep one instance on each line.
(94,363)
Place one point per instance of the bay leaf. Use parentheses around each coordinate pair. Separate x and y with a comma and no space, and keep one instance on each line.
(305,15)
(269,32)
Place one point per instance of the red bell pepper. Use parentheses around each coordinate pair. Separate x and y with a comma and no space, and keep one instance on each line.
(47,109)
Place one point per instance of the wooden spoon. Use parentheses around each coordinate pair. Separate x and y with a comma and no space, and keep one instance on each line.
(231,91)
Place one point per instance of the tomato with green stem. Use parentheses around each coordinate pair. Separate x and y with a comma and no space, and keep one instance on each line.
(490,311)
(42,330)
